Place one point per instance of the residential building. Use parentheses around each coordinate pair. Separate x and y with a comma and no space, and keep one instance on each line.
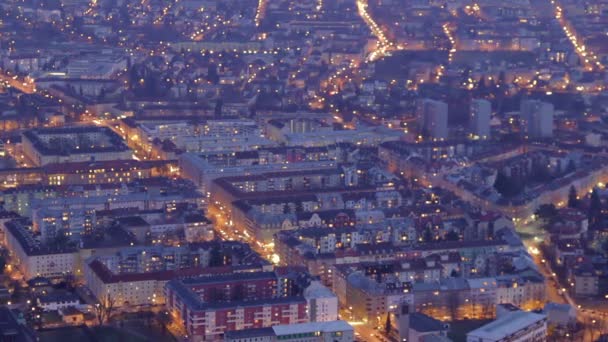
(322,303)
(480,113)
(73,144)
(514,327)
(137,276)
(259,305)
(433,119)
(330,331)
(415,326)
(561,315)
(35,259)
(537,118)
(57,301)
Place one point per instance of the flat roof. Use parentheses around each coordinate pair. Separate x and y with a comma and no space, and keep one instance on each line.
(507,325)
(302,328)
(249,333)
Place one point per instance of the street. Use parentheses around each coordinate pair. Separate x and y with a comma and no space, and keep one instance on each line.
(594,319)
(25,86)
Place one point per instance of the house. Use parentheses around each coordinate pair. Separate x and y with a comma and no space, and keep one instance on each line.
(567,252)
(71,315)
(586,280)
(514,327)
(40,285)
(560,314)
(422,325)
(418,326)
(56,301)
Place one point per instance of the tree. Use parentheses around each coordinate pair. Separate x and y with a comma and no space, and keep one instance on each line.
(540,172)
(216,258)
(102,94)
(453,304)
(218,107)
(164,319)
(452,236)
(571,167)
(572,198)
(595,207)
(508,186)
(388,326)
(546,212)
(502,77)
(481,85)
(212,74)
(104,309)
(60,242)
(604,246)
(428,235)
(2,264)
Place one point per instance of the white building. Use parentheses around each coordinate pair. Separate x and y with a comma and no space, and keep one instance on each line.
(34,260)
(322,303)
(72,223)
(56,301)
(125,289)
(520,292)
(203,168)
(433,118)
(480,113)
(96,66)
(514,327)
(560,314)
(334,331)
(73,144)
(162,130)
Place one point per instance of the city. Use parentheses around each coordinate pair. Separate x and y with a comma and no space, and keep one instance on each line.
(304,170)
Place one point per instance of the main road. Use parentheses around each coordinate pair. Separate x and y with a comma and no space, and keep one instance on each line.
(384,45)
(24,85)
(587,57)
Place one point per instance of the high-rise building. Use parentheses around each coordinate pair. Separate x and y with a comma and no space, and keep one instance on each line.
(210,306)
(322,303)
(433,118)
(537,118)
(480,112)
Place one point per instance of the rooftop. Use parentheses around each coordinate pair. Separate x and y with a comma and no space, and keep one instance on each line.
(71,140)
(331,326)
(423,323)
(507,325)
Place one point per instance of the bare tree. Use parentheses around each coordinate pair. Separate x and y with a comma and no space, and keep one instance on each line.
(164,318)
(453,304)
(104,309)
(487,309)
